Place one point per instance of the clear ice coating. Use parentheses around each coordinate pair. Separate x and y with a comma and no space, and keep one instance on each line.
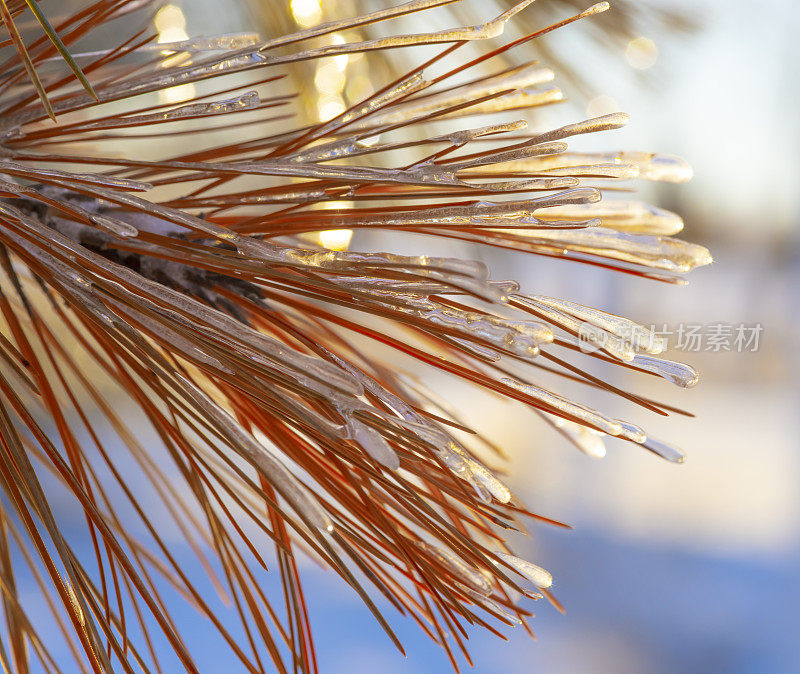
(284,482)
(177,341)
(633,217)
(643,165)
(522,338)
(477,350)
(579,413)
(246,101)
(469,276)
(482,214)
(536,574)
(483,31)
(590,336)
(658,252)
(514,79)
(13,168)
(441,443)
(223,42)
(658,167)
(109,224)
(629,333)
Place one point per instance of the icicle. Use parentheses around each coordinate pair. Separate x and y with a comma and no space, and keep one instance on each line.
(361,143)
(481,214)
(659,167)
(526,98)
(651,251)
(484,31)
(597,8)
(502,156)
(388,288)
(634,334)
(440,442)
(617,171)
(408,85)
(644,165)
(590,336)
(491,605)
(678,373)
(614,120)
(507,288)
(537,575)
(469,276)
(664,450)
(373,444)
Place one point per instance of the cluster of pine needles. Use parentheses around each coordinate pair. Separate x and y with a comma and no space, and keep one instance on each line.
(189,371)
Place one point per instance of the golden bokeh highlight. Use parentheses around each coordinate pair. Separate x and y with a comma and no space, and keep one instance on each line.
(641,53)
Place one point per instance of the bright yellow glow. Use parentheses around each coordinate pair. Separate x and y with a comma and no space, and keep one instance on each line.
(359,88)
(170,21)
(175,34)
(179,94)
(369,141)
(329,79)
(171,24)
(306,12)
(641,53)
(601,105)
(329,107)
(336,239)
(169,17)
(340,61)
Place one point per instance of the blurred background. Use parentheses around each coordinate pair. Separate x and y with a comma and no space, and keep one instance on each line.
(669,568)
